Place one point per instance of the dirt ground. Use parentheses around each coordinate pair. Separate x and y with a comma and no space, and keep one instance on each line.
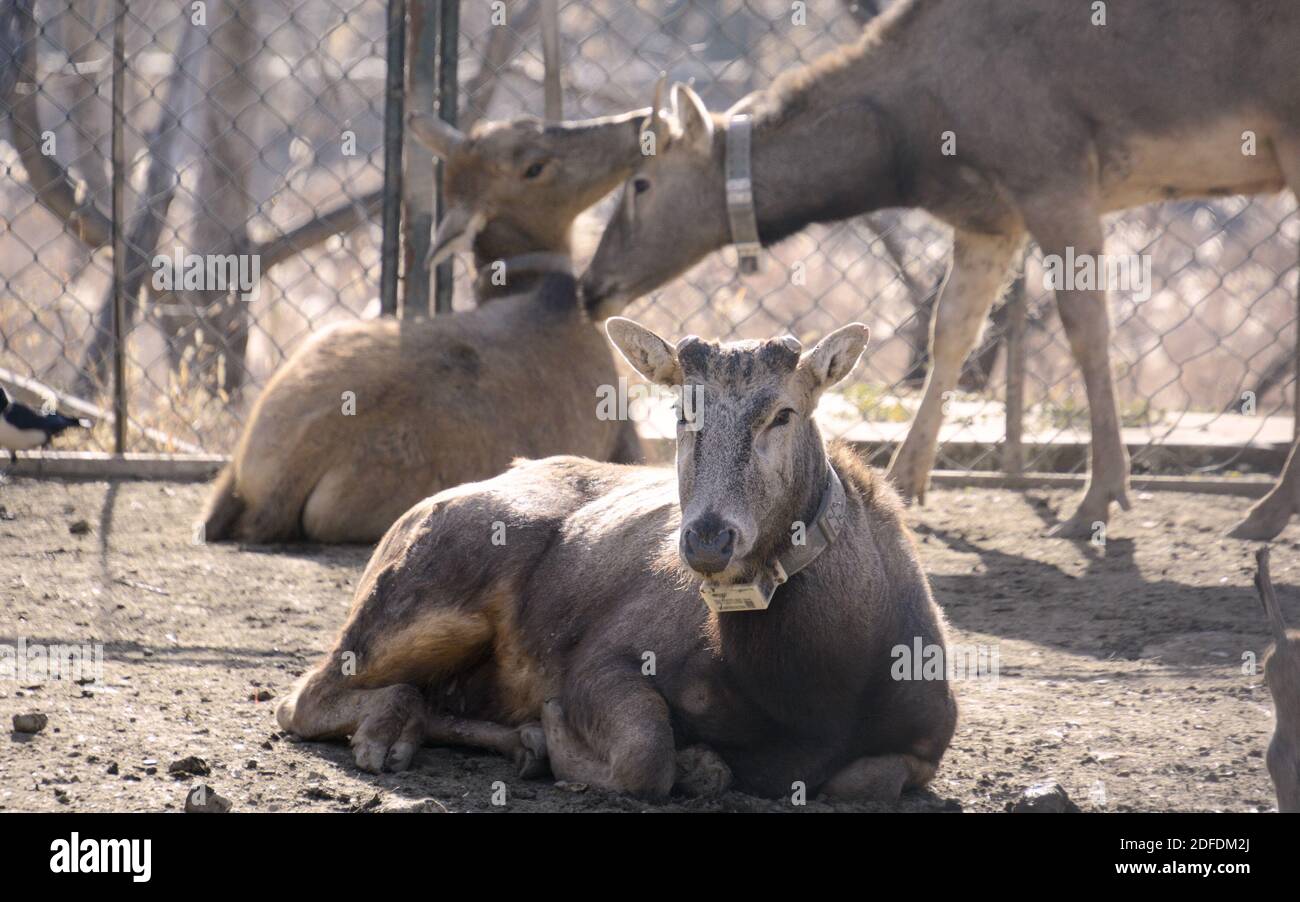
(1120,670)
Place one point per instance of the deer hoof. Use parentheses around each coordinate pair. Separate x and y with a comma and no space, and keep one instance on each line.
(1260,526)
(370,755)
(1080,526)
(390,734)
(909,475)
(701,773)
(400,756)
(910,486)
(531,761)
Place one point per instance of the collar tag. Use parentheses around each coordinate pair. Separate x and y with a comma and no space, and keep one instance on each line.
(740,195)
(538,262)
(757,595)
(752,596)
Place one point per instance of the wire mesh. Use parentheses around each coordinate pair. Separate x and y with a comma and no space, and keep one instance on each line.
(258,135)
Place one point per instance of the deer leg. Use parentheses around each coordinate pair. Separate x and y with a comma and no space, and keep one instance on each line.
(881,778)
(621,740)
(386,724)
(366,686)
(979,269)
(1272,513)
(353,502)
(701,772)
(524,745)
(1066,225)
(389,724)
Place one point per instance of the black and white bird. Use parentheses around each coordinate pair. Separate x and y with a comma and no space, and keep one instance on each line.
(22,428)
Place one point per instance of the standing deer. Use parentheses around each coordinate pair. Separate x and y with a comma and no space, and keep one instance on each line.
(367,418)
(555,611)
(1282,676)
(1270,515)
(1003,118)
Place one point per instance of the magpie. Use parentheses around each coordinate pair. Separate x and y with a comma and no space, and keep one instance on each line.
(22,428)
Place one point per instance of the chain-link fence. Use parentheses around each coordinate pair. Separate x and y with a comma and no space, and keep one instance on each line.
(254,130)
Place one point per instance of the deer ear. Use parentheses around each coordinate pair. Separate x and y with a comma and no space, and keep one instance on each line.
(835,355)
(694,118)
(456,233)
(648,354)
(657,124)
(441,138)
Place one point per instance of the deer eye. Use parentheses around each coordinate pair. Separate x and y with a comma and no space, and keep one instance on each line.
(782,418)
(641,186)
(534,170)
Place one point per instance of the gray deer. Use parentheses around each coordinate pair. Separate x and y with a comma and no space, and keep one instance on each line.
(1003,118)
(367,418)
(555,612)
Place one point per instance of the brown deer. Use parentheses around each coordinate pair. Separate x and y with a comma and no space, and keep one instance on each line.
(1003,118)
(1270,515)
(367,418)
(1282,676)
(556,612)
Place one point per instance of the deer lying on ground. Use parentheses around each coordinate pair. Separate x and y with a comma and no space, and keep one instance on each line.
(547,613)
(1002,118)
(1282,675)
(367,418)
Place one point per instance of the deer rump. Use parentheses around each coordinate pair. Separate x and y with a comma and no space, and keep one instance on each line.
(368,418)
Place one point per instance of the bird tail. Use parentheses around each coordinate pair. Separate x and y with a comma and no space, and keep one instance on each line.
(223,508)
(62,422)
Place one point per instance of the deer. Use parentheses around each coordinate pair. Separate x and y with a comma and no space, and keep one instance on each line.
(1062,123)
(1282,676)
(630,626)
(1270,515)
(367,418)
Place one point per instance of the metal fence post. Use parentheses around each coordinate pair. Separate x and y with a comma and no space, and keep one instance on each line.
(119,215)
(448,97)
(1295,375)
(322,182)
(394,86)
(418,179)
(553,91)
(1013,451)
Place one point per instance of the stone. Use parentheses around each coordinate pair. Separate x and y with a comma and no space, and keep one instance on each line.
(1047,797)
(30,723)
(203,799)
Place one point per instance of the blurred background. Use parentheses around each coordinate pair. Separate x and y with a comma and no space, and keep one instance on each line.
(261,131)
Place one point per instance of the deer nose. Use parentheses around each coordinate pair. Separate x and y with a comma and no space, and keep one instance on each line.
(708,548)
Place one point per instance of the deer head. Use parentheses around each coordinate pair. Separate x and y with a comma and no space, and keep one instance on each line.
(516,187)
(672,212)
(750,459)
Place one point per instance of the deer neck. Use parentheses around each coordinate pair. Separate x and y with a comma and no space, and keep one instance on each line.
(823,153)
(786,658)
(802,529)
(511,260)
